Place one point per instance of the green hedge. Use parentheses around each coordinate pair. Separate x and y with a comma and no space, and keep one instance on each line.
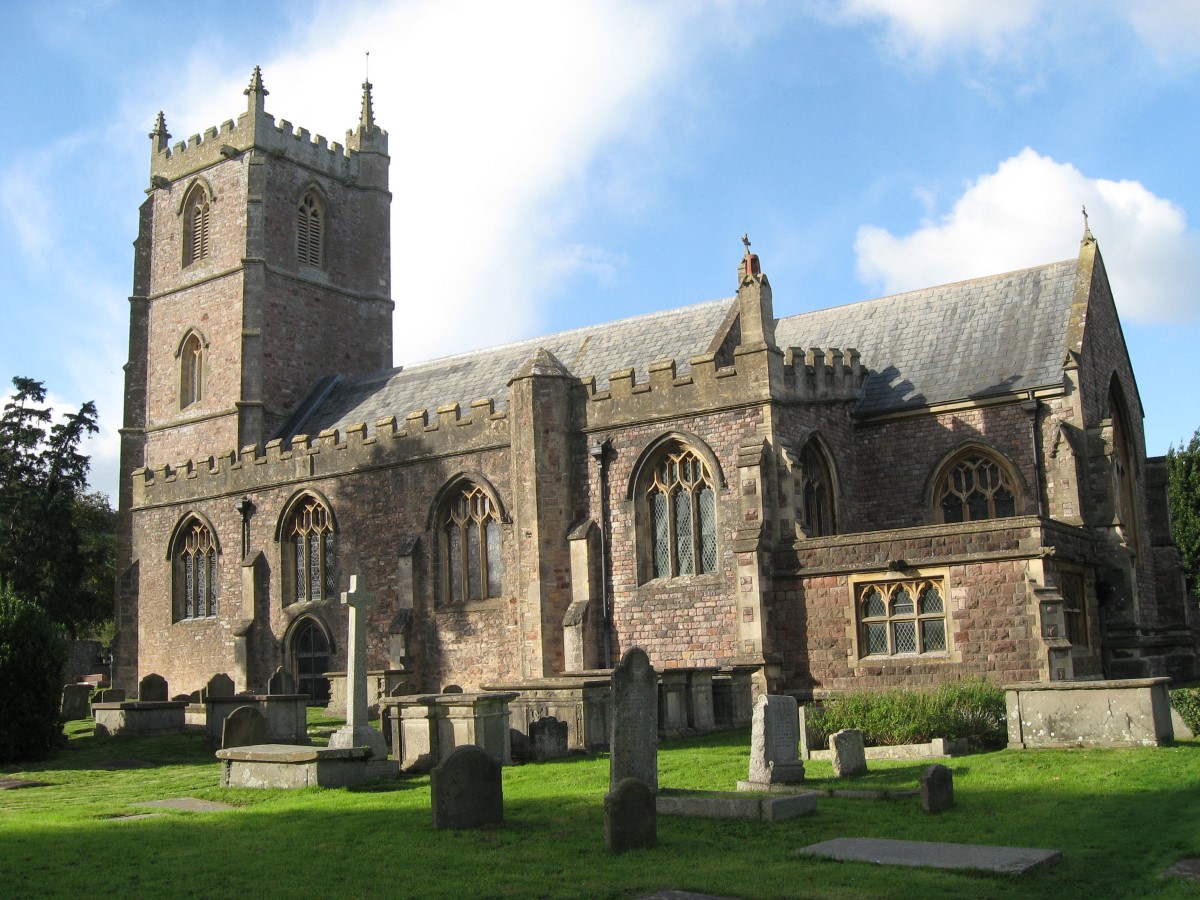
(32,657)
(1187,703)
(972,710)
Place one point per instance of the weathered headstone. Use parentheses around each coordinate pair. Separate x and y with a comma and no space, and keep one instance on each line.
(630,816)
(547,738)
(281,682)
(467,790)
(220,685)
(110,695)
(848,753)
(633,732)
(243,727)
(775,741)
(937,789)
(76,701)
(152,689)
(452,689)
(357,732)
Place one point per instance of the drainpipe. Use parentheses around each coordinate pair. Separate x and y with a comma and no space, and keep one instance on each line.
(598,451)
(1032,405)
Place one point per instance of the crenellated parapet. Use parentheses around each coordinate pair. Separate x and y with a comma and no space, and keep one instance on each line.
(418,437)
(818,374)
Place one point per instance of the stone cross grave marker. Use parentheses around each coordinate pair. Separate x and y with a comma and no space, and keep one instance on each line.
(357,732)
(775,741)
(633,733)
(152,689)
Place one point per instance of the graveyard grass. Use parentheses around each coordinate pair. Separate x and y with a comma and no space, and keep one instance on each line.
(1120,817)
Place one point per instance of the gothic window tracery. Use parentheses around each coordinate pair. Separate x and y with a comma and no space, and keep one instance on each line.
(197,210)
(902,618)
(310,230)
(814,492)
(194,560)
(472,559)
(682,514)
(311,552)
(974,488)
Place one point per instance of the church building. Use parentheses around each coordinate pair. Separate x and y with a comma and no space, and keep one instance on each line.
(945,483)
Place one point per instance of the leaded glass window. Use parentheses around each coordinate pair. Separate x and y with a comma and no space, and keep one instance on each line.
(683,516)
(893,623)
(313,544)
(977,487)
(196,571)
(471,542)
(814,488)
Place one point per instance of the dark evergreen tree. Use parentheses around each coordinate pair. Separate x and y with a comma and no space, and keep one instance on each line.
(32,657)
(43,475)
(1183,488)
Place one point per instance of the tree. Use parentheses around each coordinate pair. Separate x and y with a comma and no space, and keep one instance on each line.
(43,475)
(32,656)
(1183,489)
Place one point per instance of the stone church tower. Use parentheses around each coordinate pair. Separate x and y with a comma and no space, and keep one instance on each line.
(262,273)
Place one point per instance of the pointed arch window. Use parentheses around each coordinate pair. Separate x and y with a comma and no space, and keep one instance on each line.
(191,371)
(1124,476)
(310,230)
(472,559)
(310,551)
(681,506)
(976,487)
(194,565)
(197,211)
(902,618)
(814,492)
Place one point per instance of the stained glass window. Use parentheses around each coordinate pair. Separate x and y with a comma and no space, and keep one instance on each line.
(313,544)
(196,565)
(683,515)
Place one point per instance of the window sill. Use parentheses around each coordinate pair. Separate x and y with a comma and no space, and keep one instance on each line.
(470,606)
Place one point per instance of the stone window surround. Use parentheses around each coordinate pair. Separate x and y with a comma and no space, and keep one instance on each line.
(643,476)
(453,489)
(191,353)
(314,196)
(951,461)
(855,631)
(190,525)
(284,537)
(194,246)
(814,448)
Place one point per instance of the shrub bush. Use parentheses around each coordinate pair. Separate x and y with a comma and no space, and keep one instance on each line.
(971,710)
(1187,703)
(32,657)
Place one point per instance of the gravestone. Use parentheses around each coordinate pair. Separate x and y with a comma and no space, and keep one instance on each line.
(357,732)
(281,682)
(76,701)
(775,741)
(109,695)
(152,689)
(937,789)
(848,753)
(244,727)
(547,738)
(633,732)
(219,686)
(467,790)
(630,816)
(452,689)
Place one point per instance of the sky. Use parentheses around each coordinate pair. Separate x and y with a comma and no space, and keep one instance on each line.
(559,164)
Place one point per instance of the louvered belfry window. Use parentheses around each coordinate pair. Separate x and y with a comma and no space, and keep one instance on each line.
(196,567)
(313,551)
(683,516)
(197,212)
(473,568)
(310,227)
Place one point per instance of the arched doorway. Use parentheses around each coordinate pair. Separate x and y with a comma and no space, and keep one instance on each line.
(310,655)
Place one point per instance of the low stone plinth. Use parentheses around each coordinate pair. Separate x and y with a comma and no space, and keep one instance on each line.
(139,718)
(767,807)
(938,748)
(286,716)
(1130,713)
(289,766)
(580,700)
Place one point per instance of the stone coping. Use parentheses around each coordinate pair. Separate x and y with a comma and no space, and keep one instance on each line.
(146,705)
(255,697)
(1086,685)
(290,753)
(554,683)
(938,748)
(370,672)
(463,699)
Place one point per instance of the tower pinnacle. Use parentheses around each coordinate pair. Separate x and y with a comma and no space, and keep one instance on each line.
(160,135)
(256,92)
(366,119)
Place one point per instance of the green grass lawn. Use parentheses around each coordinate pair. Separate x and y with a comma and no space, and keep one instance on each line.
(1119,816)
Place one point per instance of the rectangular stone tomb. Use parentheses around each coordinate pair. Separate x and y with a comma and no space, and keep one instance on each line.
(768,807)
(1130,713)
(286,716)
(1005,860)
(289,766)
(425,729)
(141,718)
(581,702)
(380,683)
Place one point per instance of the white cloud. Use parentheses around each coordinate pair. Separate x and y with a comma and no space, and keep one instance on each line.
(1026,213)
(923,28)
(1170,28)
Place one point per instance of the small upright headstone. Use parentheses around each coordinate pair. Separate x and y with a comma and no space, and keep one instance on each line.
(243,727)
(775,741)
(848,753)
(281,682)
(152,689)
(109,695)
(937,789)
(75,701)
(547,738)
(633,732)
(220,685)
(452,689)
(467,790)
(630,816)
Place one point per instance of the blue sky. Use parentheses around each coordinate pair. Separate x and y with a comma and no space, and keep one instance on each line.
(558,164)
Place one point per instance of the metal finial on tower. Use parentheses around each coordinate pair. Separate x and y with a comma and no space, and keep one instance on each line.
(746,241)
(1087,231)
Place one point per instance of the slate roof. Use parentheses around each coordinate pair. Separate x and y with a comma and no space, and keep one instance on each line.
(952,342)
